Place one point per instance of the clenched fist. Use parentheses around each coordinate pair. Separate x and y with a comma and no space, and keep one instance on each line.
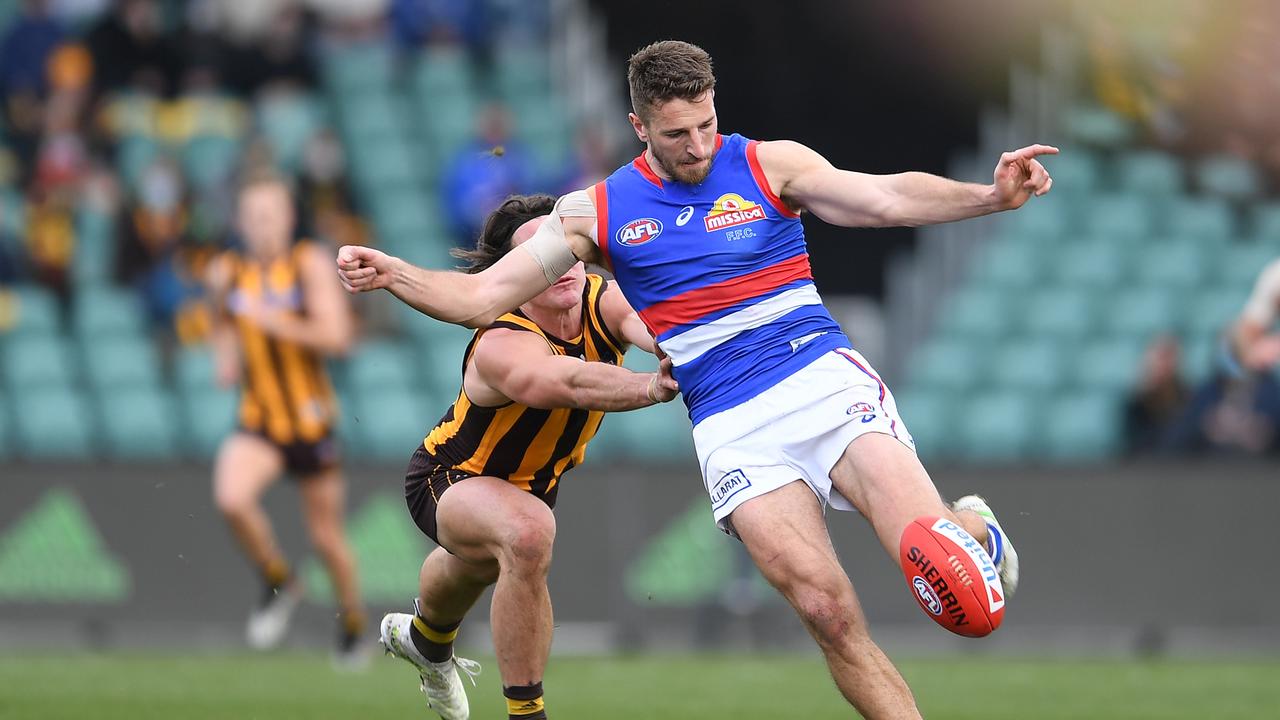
(362,269)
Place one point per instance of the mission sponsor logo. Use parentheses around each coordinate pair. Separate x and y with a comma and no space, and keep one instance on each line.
(639,232)
(731,210)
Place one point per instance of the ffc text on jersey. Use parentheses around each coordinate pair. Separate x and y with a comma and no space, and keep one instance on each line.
(639,232)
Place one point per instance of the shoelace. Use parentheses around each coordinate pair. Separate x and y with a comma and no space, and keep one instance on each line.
(439,680)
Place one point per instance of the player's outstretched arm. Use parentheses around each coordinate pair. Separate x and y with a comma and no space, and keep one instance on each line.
(623,321)
(806,180)
(473,300)
(1256,349)
(519,366)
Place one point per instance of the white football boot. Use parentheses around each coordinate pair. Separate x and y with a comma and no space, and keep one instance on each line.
(999,547)
(440,681)
(270,620)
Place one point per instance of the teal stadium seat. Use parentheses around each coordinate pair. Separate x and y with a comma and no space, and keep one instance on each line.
(1041,219)
(106,311)
(134,154)
(384,165)
(949,365)
(522,72)
(1228,177)
(661,433)
(139,423)
(34,312)
(1032,366)
(359,69)
(1264,222)
(209,415)
(1110,365)
(1240,265)
(1118,217)
(1082,428)
(51,423)
(382,365)
(5,446)
(929,417)
(1098,126)
(444,70)
(1149,172)
(450,122)
(1008,263)
(1176,264)
(1075,172)
(1062,313)
(95,248)
(374,117)
(194,368)
(38,361)
(1143,312)
(288,121)
(978,313)
(210,160)
(388,423)
(1213,310)
(1204,220)
(1097,265)
(995,427)
(121,362)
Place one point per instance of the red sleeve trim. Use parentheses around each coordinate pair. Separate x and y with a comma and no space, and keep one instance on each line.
(602,221)
(763,183)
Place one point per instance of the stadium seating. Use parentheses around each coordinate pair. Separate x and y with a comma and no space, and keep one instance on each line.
(208,415)
(52,423)
(139,423)
(38,362)
(121,362)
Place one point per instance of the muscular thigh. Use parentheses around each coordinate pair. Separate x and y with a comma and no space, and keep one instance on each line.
(479,516)
(323,498)
(786,534)
(885,481)
(246,465)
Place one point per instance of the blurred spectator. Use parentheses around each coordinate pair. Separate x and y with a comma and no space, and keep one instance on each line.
(11,251)
(280,57)
(1253,343)
(24,53)
(483,173)
(153,235)
(325,196)
(1230,414)
(51,240)
(592,161)
(130,49)
(1159,400)
(444,22)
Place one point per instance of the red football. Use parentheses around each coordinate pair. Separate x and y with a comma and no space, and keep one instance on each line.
(950,574)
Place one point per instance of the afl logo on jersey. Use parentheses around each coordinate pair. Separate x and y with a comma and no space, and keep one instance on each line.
(639,232)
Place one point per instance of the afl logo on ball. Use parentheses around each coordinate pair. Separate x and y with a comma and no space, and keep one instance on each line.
(639,232)
(928,598)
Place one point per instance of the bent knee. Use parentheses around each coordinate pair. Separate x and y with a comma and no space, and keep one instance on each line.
(231,502)
(831,615)
(527,548)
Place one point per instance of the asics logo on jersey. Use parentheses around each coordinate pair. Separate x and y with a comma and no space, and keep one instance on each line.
(730,210)
(684,216)
(639,232)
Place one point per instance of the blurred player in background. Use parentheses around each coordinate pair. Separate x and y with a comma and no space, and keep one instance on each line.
(279,313)
(1255,346)
(703,234)
(536,384)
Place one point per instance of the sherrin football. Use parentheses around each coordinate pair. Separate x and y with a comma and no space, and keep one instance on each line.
(951,576)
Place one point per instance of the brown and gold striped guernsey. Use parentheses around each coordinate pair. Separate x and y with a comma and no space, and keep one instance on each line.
(528,447)
(285,393)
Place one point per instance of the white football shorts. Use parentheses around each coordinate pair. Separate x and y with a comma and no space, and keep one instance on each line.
(795,430)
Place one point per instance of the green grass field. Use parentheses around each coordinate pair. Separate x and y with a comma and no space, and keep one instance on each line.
(284,687)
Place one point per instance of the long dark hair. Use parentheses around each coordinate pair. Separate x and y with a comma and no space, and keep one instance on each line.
(502,223)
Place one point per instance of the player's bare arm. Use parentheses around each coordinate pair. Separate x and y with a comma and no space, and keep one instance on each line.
(1255,348)
(477,300)
(623,321)
(806,180)
(327,325)
(222,335)
(511,365)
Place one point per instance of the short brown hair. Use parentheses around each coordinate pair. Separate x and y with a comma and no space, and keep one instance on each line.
(502,223)
(668,70)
